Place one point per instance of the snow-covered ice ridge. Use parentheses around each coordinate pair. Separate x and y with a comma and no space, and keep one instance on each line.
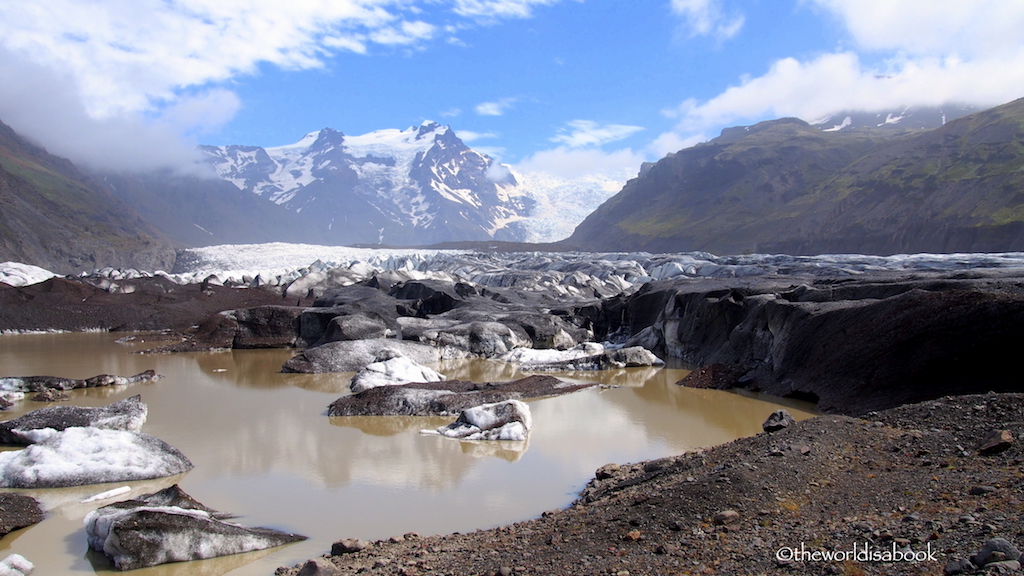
(299,267)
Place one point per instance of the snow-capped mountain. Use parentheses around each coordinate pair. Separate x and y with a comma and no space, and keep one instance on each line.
(403,187)
(905,118)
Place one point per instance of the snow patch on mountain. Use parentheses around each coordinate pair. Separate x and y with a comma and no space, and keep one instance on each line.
(416,186)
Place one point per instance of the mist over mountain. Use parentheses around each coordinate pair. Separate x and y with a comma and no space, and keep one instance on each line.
(784,186)
(52,215)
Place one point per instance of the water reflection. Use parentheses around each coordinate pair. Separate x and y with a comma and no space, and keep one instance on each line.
(263,447)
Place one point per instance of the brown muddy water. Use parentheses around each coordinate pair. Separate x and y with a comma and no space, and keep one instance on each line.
(264,448)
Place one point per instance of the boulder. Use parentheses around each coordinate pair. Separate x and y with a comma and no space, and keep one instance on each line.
(18,511)
(995,550)
(480,338)
(508,420)
(996,441)
(80,456)
(431,297)
(170,526)
(777,421)
(128,414)
(391,369)
(354,327)
(266,326)
(352,355)
(40,383)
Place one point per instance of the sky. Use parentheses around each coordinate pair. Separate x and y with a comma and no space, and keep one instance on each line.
(570,88)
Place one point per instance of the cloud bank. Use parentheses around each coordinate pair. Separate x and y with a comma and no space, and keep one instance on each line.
(904,53)
(129,83)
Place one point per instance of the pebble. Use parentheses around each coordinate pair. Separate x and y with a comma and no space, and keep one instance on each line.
(348,546)
(996,441)
(726,517)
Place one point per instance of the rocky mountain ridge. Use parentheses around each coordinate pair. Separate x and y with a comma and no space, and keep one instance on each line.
(784,186)
(416,186)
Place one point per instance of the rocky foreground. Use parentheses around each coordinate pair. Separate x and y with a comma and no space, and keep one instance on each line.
(926,480)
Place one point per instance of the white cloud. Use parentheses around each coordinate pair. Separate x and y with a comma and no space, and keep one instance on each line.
(571,163)
(932,27)
(470,136)
(707,18)
(451,112)
(932,53)
(496,108)
(157,65)
(580,133)
(493,9)
(44,106)
(133,55)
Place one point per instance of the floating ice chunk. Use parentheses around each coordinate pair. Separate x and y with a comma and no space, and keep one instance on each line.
(38,425)
(16,565)
(170,526)
(508,420)
(390,370)
(107,494)
(80,456)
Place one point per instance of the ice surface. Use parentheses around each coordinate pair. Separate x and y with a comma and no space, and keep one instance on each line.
(80,456)
(107,494)
(18,274)
(170,526)
(16,565)
(528,356)
(509,420)
(391,372)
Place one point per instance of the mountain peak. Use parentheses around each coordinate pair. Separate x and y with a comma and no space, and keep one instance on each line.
(428,127)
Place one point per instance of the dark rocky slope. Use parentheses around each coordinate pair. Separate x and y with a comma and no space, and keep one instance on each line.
(51,215)
(784,186)
(850,344)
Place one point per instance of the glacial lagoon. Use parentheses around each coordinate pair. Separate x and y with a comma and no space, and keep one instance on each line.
(264,448)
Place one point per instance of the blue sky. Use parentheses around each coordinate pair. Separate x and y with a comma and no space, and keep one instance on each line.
(570,87)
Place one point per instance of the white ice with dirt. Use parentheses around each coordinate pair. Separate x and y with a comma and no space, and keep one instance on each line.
(392,372)
(507,421)
(18,274)
(528,356)
(80,456)
(16,565)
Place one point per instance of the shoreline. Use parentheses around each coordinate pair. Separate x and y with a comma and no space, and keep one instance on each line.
(910,477)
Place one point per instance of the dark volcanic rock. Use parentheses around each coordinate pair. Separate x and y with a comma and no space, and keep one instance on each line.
(128,414)
(18,511)
(141,304)
(445,398)
(170,526)
(853,344)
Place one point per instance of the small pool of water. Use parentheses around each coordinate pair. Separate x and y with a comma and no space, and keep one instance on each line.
(265,449)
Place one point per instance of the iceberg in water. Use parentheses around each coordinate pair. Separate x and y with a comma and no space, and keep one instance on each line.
(80,456)
(171,526)
(508,420)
